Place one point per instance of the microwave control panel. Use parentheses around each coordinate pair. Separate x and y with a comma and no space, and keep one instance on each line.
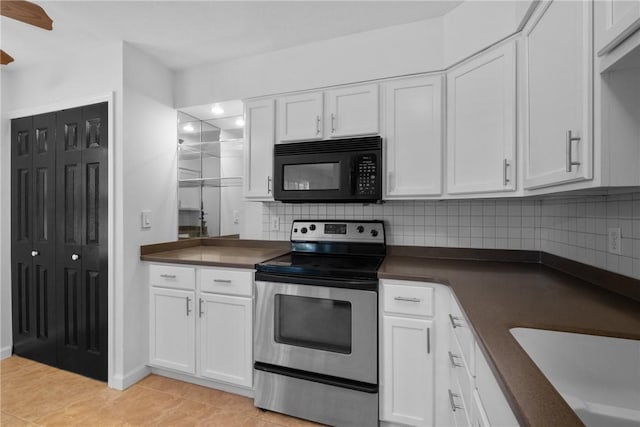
(366,175)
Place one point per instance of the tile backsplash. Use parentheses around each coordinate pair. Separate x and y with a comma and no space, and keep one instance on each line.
(572,228)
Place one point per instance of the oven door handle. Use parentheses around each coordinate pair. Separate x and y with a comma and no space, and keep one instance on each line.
(362,284)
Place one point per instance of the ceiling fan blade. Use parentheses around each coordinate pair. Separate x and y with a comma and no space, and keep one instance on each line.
(5,58)
(27,12)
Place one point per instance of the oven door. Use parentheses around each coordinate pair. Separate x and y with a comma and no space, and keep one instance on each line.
(323,330)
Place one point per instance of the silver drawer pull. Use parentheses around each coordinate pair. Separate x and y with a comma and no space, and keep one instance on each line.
(188,308)
(221,281)
(200,307)
(168,276)
(75,257)
(410,299)
(452,358)
(35,253)
(454,321)
(454,406)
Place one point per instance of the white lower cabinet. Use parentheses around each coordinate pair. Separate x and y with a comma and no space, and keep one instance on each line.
(172,329)
(225,338)
(409,355)
(475,398)
(218,311)
(408,371)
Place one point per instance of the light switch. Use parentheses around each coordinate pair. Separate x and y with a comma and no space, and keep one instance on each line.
(145,217)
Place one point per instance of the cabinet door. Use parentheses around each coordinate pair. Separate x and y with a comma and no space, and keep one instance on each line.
(258,149)
(621,19)
(407,386)
(300,117)
(558,106)
(353,111)
(481,119)
(172,328)
(226,338)
(413,111)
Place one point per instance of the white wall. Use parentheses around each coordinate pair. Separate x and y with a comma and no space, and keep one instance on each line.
(475,25)
(148,182)
(61,84)
(397,50)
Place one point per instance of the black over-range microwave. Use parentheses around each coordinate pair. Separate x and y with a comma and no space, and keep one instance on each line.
(334,171)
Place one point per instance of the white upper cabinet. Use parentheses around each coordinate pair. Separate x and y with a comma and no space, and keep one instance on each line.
(300,117)
(558,94)
(353,111)
(258,146)
(622,18)
(413,128)
(481,117)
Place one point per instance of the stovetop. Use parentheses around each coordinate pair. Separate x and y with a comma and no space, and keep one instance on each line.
(340,266)
(331,251)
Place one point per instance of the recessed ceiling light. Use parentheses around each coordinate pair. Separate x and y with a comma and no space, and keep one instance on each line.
(239,121)
(217,109)
(188,128)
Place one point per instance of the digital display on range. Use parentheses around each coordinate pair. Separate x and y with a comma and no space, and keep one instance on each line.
(335,229)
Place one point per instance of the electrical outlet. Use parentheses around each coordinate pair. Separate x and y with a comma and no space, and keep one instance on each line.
(275,223)
(614,242)
(236,216)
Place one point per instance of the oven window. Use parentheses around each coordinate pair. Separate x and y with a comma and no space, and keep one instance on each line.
(322,324)
(312,176)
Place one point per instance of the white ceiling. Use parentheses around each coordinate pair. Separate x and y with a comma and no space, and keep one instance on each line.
(182,34)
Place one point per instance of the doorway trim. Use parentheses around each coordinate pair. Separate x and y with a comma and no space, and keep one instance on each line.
(111,239)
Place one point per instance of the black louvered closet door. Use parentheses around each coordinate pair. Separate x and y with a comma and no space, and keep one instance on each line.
(59,239)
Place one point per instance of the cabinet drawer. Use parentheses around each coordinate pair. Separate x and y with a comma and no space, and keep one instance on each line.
(459,370)
(459,408)
(408,298)
(233,282)
(463,334)
(171,276)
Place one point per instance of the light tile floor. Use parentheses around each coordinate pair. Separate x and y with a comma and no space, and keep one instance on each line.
(37,394)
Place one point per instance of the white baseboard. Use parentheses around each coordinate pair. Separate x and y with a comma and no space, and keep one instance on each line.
(5,352)
(122,382)
(229,388)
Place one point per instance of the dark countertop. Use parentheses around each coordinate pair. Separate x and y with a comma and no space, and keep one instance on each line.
(214,252)
(497,296)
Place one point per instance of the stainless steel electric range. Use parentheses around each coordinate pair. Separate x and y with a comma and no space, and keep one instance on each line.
(316,333)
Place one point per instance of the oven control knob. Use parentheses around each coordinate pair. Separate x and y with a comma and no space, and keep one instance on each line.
(303,230)
(374,233)
(360,229)
(312,227)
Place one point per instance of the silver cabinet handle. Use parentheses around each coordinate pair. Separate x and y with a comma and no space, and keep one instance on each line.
(188,309)
(452,395)
(389,181)
(505,177)
(200,312)
(428,340)
(221,281)
(35,253)
(75,257)
(454,322)
(569,142)
(317,125)
(268,185)
(333,123)
(452,358)
(409,299)
(168,276)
